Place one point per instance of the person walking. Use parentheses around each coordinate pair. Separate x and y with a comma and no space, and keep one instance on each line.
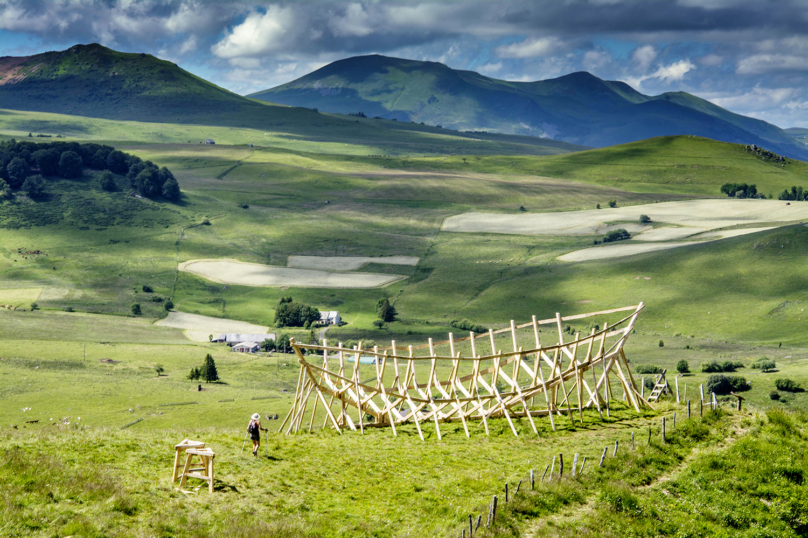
(254,429)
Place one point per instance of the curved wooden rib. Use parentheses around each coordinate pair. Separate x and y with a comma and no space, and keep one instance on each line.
(502,389)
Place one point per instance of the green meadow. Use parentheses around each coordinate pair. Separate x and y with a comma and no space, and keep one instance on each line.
(374,190)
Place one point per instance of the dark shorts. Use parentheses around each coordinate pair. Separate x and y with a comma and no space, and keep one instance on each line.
(255,436)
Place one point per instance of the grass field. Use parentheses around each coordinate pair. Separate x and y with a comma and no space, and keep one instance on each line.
(83,354)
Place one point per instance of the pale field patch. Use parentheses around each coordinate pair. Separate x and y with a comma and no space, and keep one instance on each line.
(706,214)
(722,234)
(19,297)
(617,251)
(230,271)
(347,263)
(198,328)
(667,234)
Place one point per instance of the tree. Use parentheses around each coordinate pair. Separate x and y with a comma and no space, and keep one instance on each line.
(386,311)
(107,181)
(268,344)
(5,190)
(18,170)
(378,323)
(195,374)
(645,219)
(764,364)
(70,164)
(136,309)
(661,343)
(34,186)
(159,369)
(617,235)
(48,161)
(612,203)
(169,305)
(597,206)
(292,314)
(787,385)
(683,367)
(116,162)
(209,372)
(171,190)
(283,343)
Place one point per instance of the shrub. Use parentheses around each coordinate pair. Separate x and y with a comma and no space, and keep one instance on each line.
(724,384)
(729,366)
(378,323)
(5,190)
(648,369)
(774,395)
(709,367)
(764,364)
(169,305)
(136,309)
(34,186)
(661,343)
(268,344)
(147,289)
(466,325)
(70,164)
(645,219)
(612,203)
(159,369)
(107,181)
(683,367)
(617,235)
(787,385)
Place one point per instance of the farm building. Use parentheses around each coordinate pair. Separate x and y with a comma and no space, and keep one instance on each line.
(330,318)
(234,338)
(209,141)
(246,347)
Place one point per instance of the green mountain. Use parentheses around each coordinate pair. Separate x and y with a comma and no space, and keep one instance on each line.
(578,108)
(96,82)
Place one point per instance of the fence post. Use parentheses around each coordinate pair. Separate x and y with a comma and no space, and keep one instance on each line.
(560,466)
(479,520)
(715,404)
(677,388)
(494,510)
(663,429)
(649,435)
(545,473)
(701,408)
(603,456)
(632,440)
(701,390)
(506,492)
(688,410)
(552,469)
(642,387)
(519,485)
(574,464)
(532,484)
(615,449)
(674,421)
(581,470)
(471,524)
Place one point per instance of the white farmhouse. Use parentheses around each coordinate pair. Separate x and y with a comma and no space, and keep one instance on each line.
(330,318)
(246,347)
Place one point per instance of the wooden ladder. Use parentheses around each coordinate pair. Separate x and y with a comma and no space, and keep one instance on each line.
(660,387)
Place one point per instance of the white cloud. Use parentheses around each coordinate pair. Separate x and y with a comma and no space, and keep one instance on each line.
(260,33)
(665,73)
(529,48)
(490,68)
(189,45)
(755,100)
(643,56)
(355,22)
(245,63)
(759,64)
(595,59)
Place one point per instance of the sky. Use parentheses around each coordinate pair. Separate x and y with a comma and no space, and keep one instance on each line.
(748,56)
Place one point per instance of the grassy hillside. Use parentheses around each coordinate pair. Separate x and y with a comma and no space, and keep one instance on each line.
(578,108)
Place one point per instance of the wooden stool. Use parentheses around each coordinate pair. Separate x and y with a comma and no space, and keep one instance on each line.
(206,456)
(180,448)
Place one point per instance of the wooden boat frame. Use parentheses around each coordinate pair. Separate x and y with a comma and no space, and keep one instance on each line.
(500,390)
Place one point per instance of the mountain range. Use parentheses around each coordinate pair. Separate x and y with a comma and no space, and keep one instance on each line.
(578,108)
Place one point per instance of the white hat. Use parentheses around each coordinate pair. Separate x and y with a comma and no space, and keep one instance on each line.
(256,416)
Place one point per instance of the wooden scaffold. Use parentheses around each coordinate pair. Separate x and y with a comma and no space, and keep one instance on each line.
(553,380)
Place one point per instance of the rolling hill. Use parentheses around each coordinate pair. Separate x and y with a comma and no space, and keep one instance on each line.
(578,108)
(93,81)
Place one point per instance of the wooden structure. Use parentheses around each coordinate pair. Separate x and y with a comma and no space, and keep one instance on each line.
(660,387)
(466,383)
(180,449)
(205,472)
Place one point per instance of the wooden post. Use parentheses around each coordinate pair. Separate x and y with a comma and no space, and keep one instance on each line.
(471,525)
(519,485)
(552,467)
(603,456)
(632,440)
(642,387)
(674,421)
(479,520)
(574,464)
(494,510)
(688,406)
(581,470)
(560,466)
(677,388)
(701,390)
(545,473)
(532,484)
(686,392)
(506,492)
(715,404)
(615,449)
(649,435)
(663,429)
(701,407)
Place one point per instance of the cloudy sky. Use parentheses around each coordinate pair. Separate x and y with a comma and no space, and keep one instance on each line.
(750,56)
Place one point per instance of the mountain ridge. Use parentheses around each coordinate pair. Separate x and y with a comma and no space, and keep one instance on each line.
(578,108)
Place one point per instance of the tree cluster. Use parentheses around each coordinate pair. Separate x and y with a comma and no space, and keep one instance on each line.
(726,366)
(615,235)
(724,384)
(385,311)
(648,369)
(796,193)
(787,385)
(292,314)
(207,372)
(24,159)
(740,190)
(764,364)
(466,325)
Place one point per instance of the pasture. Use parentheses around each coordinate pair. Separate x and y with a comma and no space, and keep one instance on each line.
(377,212)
